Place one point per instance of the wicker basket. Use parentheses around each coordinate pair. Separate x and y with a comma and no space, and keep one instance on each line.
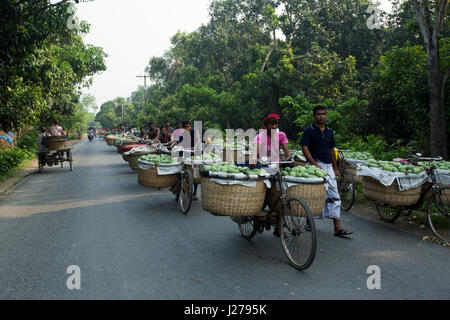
(356,179)
(375,191)
(55,142)
(232,200)
(151,179)
(313,194)
(4,144)
(111,140)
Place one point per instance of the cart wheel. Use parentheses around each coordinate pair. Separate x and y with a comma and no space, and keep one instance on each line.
(69,156)
(346,188)
(438,214)
(186,191)
(248,227)
(388,213)
(298,243)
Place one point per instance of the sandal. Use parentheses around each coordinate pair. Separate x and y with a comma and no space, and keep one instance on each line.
(342,233)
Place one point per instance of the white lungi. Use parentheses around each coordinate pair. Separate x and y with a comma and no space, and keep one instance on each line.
(332,208)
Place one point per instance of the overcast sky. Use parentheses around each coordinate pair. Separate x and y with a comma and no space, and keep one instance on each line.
(132,31)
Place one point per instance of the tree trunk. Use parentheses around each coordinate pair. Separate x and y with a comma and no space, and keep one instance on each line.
(431,33)
(438,134)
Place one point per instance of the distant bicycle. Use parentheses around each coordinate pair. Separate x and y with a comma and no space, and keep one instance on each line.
(346,183)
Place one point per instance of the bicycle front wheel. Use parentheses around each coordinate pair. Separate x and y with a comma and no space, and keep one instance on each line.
(298,233)
(346,188)
(438,213)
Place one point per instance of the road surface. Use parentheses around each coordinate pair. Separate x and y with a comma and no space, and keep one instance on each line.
(131,242)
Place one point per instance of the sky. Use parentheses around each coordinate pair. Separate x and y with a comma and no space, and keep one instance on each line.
(133,31)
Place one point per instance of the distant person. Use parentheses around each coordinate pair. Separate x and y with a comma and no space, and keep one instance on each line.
(167,125)
(153,132)
(57,130)
(164,137)
(41,148)
(141,134)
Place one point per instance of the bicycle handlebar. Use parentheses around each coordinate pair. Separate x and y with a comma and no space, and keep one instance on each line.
(418,156)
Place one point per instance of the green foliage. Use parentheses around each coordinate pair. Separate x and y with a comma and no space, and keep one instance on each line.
(378,147)
(42,62)
(10,159)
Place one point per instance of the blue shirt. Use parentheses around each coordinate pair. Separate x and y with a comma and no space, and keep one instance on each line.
(319,142)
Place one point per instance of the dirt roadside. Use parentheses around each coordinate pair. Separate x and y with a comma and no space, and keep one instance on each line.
(411,223)
(30,168)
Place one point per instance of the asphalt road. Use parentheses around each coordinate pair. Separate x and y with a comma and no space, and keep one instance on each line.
(132,242)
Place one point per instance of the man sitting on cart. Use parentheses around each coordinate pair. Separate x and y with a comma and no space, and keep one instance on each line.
(318,148)
(42,149)
(57,130)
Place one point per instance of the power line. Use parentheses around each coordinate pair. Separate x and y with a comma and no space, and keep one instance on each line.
(145,88)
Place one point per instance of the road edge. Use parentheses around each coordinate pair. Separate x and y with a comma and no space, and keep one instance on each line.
(22,175)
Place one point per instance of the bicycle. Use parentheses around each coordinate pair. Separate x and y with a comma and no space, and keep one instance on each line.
(345,183)
(437,196)
(295,225)
(439,204)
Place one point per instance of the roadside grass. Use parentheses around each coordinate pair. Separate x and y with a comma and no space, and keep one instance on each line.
(22,165)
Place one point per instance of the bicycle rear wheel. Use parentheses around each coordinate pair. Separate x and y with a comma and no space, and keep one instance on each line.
(248,227)
(388,213)
(346,188)
(299,244)
(186,191)
(438,213)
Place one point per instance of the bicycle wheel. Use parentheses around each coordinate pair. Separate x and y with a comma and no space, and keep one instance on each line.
(186,191)
(438,213)
(388,213)
(248,227)
(298,243)
(346,188)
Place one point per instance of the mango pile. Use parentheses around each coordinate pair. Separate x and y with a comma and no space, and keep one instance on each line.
(359,155)
(307,171)
(231,168)
(394,166)
(155,158)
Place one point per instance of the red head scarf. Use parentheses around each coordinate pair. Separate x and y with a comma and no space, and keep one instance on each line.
(271,117)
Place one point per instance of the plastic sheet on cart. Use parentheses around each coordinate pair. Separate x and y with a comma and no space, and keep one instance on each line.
(442,176)
(354,162)
(246,183)
(166,170)
(405,181)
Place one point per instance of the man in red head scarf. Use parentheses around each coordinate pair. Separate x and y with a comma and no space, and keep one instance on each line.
(270,139)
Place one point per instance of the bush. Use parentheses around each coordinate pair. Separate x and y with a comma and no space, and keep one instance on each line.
(379,147)
(28,141)
(10,159)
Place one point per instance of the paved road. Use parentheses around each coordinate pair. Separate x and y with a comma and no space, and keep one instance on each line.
(131,242)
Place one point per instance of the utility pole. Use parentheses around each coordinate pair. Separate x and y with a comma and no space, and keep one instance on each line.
(145,88)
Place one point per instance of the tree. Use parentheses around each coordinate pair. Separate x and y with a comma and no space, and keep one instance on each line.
(431,32)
